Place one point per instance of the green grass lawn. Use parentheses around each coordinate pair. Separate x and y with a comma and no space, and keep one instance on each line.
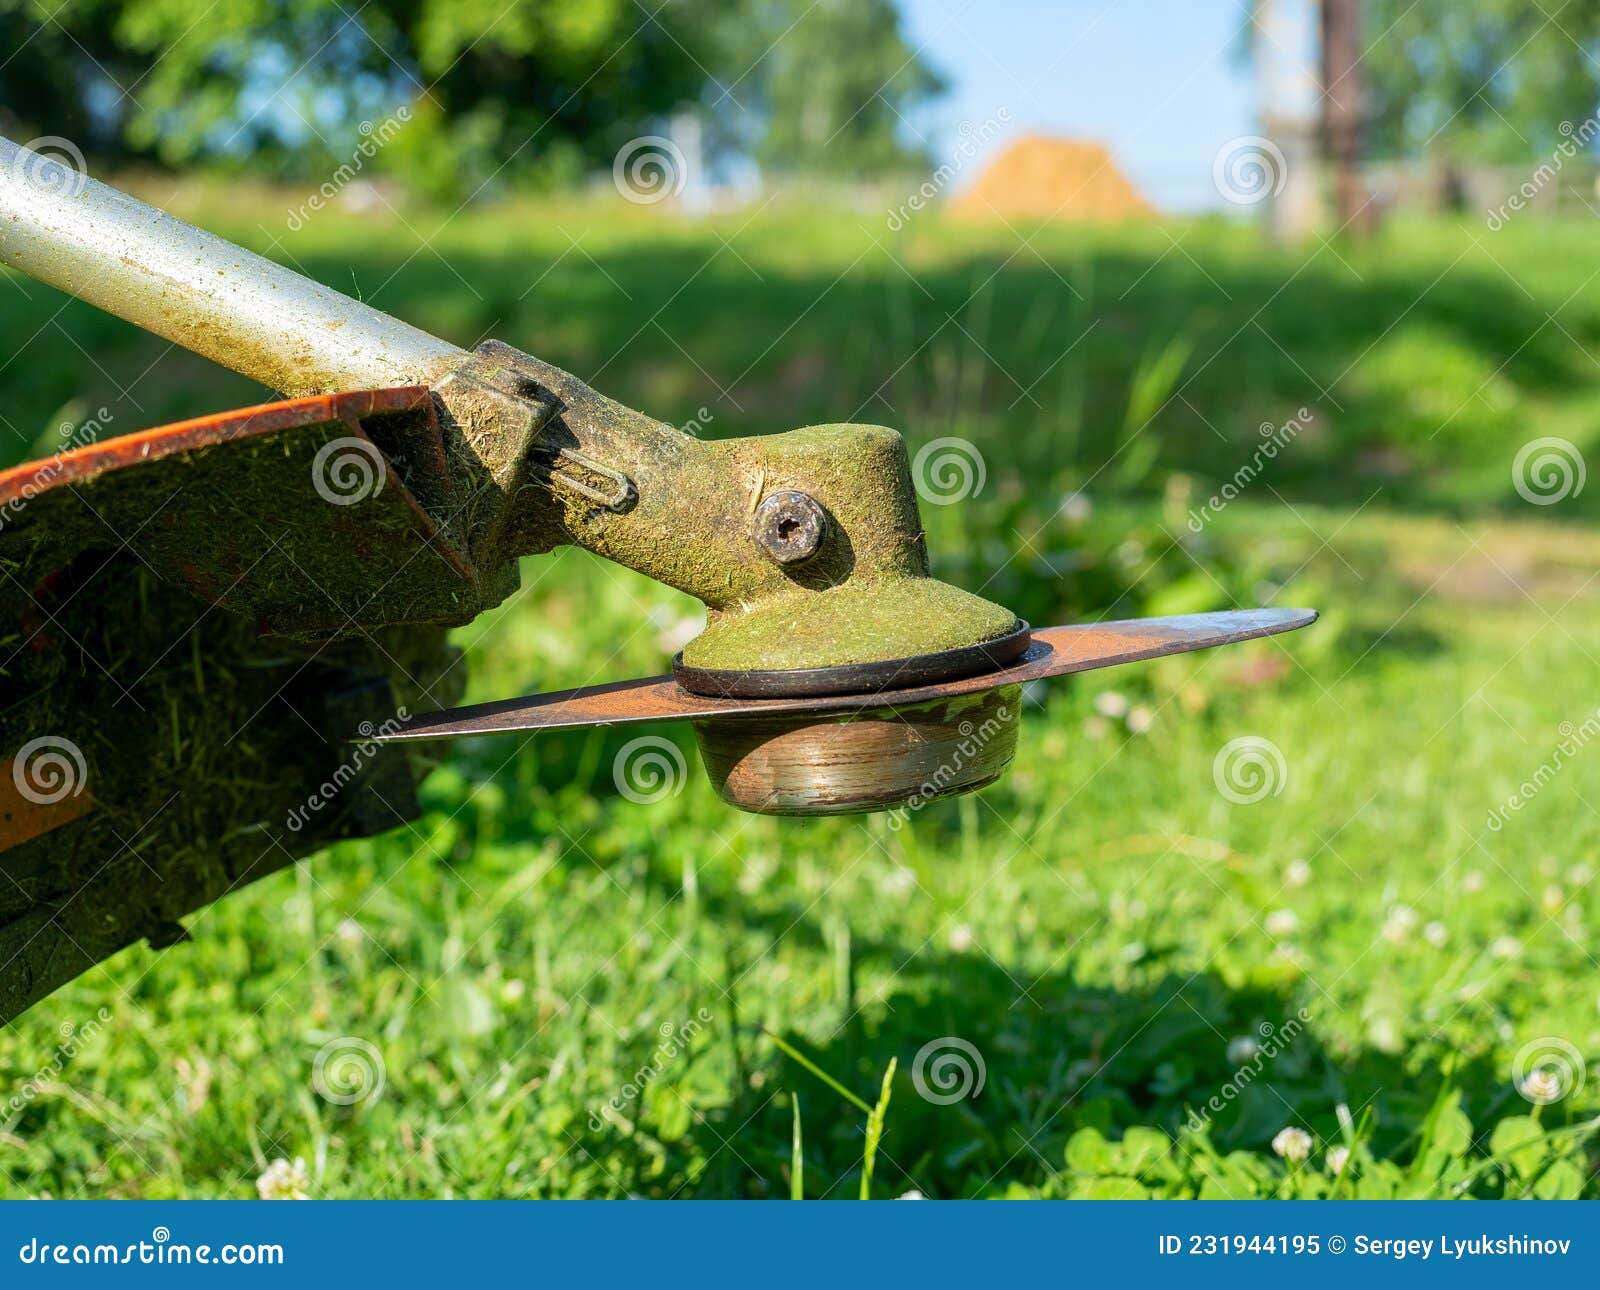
(542,988)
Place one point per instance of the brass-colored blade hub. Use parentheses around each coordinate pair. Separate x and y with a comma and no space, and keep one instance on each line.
(872,760)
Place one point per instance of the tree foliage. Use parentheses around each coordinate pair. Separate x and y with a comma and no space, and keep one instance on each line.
(494,87)
(1485,79)
(833,85)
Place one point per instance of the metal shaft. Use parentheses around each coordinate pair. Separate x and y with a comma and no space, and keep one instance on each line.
(199,291)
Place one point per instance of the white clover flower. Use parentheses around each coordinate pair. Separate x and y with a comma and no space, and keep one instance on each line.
(1242,1049)
(1282,922)
(1541,1085)
(1140,719)
(899,882)
(1436,934)
(1506,947)
(1336,1159)
(1076,508)
(1111,703)
(1298,874)
(961,938)
(1294,1145)
(1472,882)
(284,1181)
(513,990)
(1096,727)
(1398,925)
(349,933)
(913,1194)
(1579,875)
(1384,1035)
(1552,898)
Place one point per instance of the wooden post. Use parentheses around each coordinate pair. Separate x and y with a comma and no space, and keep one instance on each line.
(1343,110)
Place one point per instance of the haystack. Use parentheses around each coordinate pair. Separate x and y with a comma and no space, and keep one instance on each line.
(1039,178)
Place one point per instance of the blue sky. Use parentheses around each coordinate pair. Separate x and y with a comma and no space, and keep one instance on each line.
(1158,81)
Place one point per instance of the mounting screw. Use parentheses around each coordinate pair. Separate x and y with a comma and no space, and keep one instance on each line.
(790,526)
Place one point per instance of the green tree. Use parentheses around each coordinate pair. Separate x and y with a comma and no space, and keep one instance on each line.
(1486,80)
(288,82)
(832,87)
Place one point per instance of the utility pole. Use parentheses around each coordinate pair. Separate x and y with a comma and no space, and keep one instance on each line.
(1343,106)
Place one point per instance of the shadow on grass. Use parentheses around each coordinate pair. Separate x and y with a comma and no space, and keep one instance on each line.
(1414,377)
(1056,1055)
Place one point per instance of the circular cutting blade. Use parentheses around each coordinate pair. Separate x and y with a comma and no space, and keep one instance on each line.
(1054,651)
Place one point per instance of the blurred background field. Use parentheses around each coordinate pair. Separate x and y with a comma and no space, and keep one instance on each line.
(572,994)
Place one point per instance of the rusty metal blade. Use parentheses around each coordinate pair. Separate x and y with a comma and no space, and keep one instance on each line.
(1055,651)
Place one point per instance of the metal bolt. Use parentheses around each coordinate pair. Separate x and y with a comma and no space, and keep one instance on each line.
(790,526)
